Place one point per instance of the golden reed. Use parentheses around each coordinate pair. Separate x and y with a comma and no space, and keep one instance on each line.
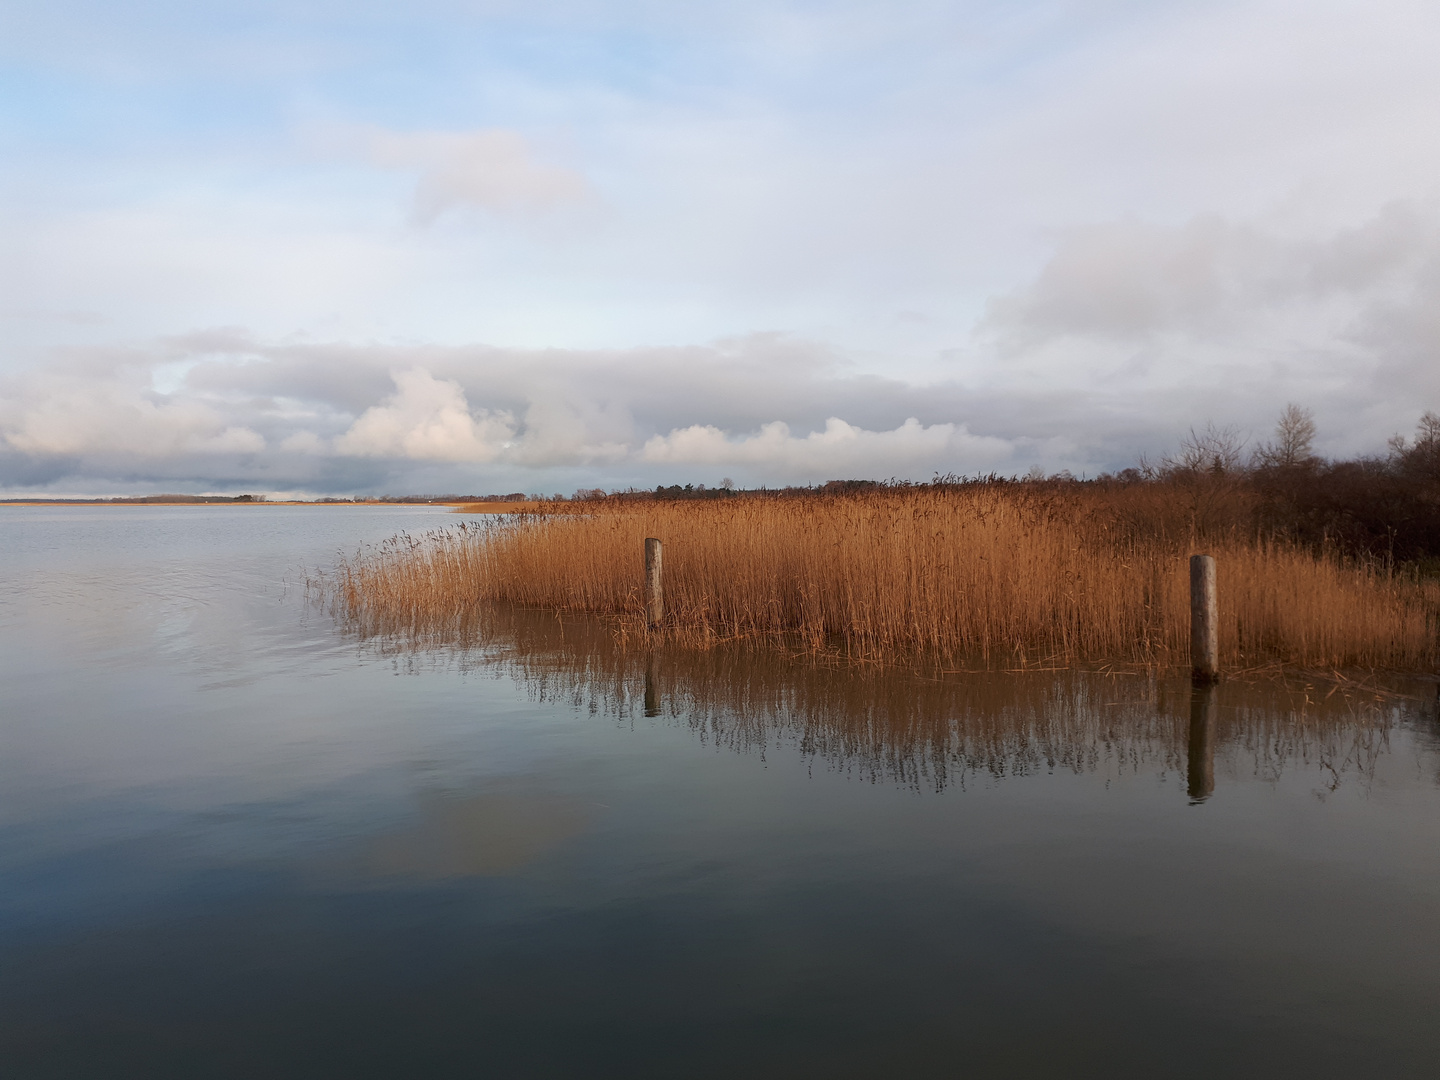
(942,577)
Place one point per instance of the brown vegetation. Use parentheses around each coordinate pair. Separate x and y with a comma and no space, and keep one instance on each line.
(944,576)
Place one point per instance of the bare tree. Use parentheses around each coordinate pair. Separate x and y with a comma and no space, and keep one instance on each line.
(1215,451)
(1427,433)
(1294,440)
(1422,457)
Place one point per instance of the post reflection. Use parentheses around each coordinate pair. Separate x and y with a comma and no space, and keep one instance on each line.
(652,685)
(1200,762)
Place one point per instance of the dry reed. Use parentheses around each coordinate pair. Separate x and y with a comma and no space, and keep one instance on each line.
(938,577)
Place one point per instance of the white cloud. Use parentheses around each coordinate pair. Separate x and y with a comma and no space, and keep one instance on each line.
(427,419)
(114,413)
(565,426)
(840,448)
(493,169)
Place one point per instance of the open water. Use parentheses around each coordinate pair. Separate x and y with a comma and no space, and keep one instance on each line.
(240,839)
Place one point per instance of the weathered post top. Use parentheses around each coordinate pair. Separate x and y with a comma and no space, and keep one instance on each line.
(1204,620)
(654,595)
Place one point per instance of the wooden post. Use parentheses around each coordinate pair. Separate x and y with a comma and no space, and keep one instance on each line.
(1204,620)
(1200,761)
(654,596)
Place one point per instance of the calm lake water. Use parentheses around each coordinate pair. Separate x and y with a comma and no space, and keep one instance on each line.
(238,839)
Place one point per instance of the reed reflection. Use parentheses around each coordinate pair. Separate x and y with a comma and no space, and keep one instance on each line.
(924,731)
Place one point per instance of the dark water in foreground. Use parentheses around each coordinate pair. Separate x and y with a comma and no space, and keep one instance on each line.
(236,840)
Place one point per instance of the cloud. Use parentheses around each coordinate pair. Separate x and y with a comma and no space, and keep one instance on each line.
(563,427)
(347,418)
(1073,228)
(1129,333)
(492,169)
(839,449)
(1129,281)
(51,414)
(1227,319)
(233,440)
(303,442)
(427,419)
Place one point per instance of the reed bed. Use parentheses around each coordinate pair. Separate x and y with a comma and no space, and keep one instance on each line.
(982,576)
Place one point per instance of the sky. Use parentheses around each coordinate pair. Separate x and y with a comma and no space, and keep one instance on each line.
(328,248)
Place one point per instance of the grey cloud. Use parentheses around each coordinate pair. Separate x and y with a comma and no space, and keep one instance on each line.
(582,419)
(1233,317)
(337,417)
(1119,281)
(1405,335)
(613,392)
(1128,282)
(1398,238)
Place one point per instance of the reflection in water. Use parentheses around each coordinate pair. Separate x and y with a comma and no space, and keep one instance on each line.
(652,685)
(231,847)
(1200,762)
(923,731)
(485,835)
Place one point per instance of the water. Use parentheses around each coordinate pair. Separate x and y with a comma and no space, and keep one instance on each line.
(238,839)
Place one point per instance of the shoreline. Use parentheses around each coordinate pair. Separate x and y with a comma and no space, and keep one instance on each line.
(457,506)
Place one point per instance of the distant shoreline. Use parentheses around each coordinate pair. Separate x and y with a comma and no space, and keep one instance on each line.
(236,502)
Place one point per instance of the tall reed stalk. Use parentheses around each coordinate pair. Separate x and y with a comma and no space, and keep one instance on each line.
(985,576)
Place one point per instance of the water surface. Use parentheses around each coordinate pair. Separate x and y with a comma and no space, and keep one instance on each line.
(240,839)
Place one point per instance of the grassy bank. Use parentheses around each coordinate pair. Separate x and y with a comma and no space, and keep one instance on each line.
(945,576)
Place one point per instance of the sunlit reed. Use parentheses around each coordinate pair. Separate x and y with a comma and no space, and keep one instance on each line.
(939,578)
